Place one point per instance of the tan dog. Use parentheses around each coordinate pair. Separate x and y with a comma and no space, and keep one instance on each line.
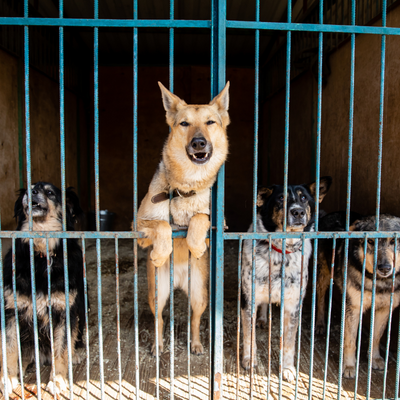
(192,155)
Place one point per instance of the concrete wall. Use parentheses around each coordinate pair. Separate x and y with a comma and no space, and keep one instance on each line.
(335,126)
(45,135)
(116,135)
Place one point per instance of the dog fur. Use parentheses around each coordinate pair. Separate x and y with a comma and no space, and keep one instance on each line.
(46,216)
(193,153)
(384,273)
(300,209)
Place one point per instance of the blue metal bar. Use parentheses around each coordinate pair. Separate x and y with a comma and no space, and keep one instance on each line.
(390,317)
(171,324)
(360,316)
(136,315)
(269,317)
(253,314)
(328,328)
(3,321)
(372,323)
(217,272)
(317,183)
(53,369)
(18,332)
(238,318)
(156,337)
(189,322)
(105,23)
(117,300)
(85,288)
(300,314)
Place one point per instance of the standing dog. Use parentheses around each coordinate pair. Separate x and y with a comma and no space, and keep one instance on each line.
(46,216)
(300,208)
(384,270)
(192,155)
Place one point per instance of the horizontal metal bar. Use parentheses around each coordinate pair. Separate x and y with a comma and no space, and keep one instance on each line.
(307,235)
(80,235)
(285,26)
(106,23)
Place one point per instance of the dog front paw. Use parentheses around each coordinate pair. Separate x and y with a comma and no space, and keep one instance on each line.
(261,323)
(76,358)
(349,371)
(8,384)
(198,252)
(246,362)
(289,374)
(197,348)
(158,259)
(320,328)
(57,386)
(378,363)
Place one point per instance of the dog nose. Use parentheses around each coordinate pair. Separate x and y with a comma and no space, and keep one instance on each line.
(297,213)
(198,143)
(384,268)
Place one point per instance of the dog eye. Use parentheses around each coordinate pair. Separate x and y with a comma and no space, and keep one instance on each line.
(392,241)
(371,242)
(184,123)
(281,198)
(49,193)
(210,122)
(34,191)
(303,198)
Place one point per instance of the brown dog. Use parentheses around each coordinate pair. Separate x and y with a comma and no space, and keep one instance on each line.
(192,155)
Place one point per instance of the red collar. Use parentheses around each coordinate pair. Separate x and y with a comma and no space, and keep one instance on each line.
(278,250)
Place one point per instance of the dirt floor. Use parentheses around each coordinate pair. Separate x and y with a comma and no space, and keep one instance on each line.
(199,365)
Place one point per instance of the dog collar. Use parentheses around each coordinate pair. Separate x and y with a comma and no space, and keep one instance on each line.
(158,198)
(278,250)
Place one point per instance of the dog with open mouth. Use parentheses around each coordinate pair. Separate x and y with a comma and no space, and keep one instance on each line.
(268,265)
(193,153)
(387,264)
(46,216)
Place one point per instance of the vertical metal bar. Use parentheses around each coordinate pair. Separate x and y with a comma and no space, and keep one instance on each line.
(390,317)
(348,198)
(85,287)
(253,314)
(300,314)
(3,320)
(14,285)
(135,195)
(171,272)
(360,316)
(117,299)
(269,317)
(63,202)
(189,322)
(328,327)
(238,316)
(156,337)
(53,369)
(317,184)
(217,273)
(97,195)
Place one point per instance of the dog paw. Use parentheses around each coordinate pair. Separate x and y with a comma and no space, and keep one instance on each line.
(378,363)
(349,372)
(10,384)
(160,349)
(246,362)
(158,259)
(76,359)
(197,252)
(261,323)
(57,386)
(197,348)
(289,374)
(320,328)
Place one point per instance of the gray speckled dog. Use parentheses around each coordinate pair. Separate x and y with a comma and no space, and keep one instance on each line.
(300,208)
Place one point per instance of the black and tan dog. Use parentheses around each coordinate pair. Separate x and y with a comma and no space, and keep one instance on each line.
(300,218)
(385,268)
(46,216)
(192,155)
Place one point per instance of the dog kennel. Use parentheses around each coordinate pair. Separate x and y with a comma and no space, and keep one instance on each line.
(314,90)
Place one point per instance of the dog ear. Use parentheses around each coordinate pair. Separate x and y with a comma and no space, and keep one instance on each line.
(324,185)
(263,194)
(221,101)
(172,103)
(18,206)
(73,205)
